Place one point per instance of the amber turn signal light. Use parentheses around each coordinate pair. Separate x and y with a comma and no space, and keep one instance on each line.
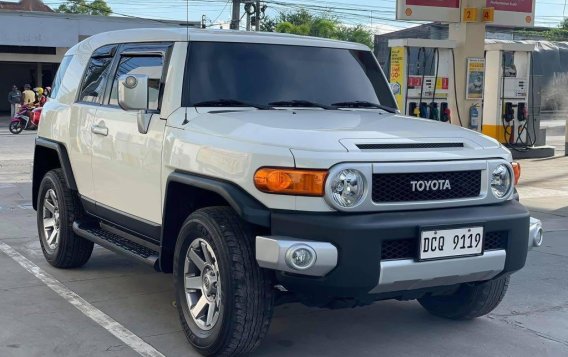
(291,181)
(517,172)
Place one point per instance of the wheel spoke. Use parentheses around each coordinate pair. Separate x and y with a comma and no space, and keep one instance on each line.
(48,222)
(206,253)
(52,237)
(53,197)
(193,282)
(199,306)
(49,206)
(210,312)
(196,259)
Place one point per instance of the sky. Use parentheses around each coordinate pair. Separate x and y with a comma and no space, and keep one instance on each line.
(379,14)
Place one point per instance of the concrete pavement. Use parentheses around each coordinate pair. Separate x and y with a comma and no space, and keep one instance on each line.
(531,321)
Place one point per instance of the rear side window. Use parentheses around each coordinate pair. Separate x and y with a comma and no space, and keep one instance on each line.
(152,66)
(59,76)
(96,75)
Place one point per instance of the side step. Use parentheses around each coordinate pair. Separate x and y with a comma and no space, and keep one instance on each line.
(116,243)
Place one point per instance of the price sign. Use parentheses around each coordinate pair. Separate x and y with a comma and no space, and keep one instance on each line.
(488,14)
(470,14)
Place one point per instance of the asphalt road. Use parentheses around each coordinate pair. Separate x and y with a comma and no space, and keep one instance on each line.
(35,321)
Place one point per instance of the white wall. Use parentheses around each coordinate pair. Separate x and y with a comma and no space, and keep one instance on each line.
(18,28)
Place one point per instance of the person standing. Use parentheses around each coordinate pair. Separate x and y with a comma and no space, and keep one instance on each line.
(15,98)
(28,96)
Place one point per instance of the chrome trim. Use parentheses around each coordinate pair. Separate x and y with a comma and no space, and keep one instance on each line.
(368,169)
(398,275)
(271,254)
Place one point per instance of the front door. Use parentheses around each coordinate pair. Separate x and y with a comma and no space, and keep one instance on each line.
(127,164)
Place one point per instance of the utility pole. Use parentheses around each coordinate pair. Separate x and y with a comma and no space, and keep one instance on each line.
(236,18)
(257,16)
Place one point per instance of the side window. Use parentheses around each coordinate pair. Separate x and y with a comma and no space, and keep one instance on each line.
(96,75)
(152,66)
(59,76)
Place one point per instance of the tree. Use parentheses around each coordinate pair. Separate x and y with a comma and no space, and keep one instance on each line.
(96,7)
(302,22)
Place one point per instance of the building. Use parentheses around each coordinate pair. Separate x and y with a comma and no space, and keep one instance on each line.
(33,43)
(25,5)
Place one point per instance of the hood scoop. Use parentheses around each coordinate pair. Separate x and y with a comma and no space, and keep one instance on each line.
(400,146)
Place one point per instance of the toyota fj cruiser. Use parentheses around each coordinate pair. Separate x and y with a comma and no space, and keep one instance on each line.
(261,169)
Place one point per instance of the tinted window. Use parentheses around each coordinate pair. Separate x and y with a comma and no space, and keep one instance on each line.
(150,66)
(261,73)
(59,76)
(96,75)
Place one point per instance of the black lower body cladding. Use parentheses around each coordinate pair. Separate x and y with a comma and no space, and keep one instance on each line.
(359,239)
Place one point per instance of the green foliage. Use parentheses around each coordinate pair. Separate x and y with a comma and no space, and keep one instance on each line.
(96,7)
(302,22)
(554,34)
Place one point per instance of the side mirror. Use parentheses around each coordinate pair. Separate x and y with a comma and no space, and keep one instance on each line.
(133,96)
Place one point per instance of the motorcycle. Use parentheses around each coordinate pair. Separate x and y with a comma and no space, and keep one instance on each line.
(26,119)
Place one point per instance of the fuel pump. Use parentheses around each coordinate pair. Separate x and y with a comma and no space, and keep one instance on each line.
(507,90)
(419,75)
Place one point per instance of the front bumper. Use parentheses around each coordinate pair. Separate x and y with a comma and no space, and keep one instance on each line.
(359,238)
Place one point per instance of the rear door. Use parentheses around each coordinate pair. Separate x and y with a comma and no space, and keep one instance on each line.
(127,164)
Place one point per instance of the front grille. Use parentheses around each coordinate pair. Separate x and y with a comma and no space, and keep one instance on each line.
(495,241)
(399,249)
(408,187)
(408,248)
(409,146)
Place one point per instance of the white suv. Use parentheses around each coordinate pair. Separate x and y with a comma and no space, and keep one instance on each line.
(261,169)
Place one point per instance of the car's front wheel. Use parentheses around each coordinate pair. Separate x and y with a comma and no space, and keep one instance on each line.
(224,299)
(470,301)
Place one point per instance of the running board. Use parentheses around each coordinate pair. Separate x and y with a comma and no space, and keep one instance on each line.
(116,243)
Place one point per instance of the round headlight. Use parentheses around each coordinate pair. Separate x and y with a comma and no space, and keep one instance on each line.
(348,188)
(501,181)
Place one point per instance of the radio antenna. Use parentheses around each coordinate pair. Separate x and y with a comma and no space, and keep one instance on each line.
(185,121)
(187,19)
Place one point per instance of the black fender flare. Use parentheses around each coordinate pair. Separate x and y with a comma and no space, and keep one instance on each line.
(39,167)
(245,205)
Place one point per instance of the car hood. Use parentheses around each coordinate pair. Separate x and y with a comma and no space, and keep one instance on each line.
(341,130)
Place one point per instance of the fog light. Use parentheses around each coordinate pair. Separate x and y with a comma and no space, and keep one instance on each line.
(538,237)
(300,257)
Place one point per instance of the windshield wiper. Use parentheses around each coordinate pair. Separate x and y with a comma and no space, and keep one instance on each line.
(231,103)
(301,103)
(364,104)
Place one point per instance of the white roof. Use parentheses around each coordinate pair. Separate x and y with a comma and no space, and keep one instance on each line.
(180,34)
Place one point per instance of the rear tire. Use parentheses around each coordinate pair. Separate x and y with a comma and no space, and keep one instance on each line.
(58,207)
(16,127)
(469,302)
(242,291)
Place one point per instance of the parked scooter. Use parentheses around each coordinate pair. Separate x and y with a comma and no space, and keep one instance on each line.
(26,119)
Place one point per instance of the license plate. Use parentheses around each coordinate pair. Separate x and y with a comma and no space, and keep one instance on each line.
(447,243)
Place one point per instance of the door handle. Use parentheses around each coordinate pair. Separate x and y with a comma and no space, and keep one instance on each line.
(99,130)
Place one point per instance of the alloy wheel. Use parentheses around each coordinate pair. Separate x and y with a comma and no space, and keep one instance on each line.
(51,219)
(202,284)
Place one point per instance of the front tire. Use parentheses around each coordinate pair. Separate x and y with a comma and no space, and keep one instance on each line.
(16,127)
(224,299)
(470,301)
(57,209)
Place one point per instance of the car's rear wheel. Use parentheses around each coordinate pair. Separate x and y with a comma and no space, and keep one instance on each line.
(57,209)
(224,298)
(470,301)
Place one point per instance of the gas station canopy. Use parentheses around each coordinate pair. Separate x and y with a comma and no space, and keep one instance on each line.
(518,13)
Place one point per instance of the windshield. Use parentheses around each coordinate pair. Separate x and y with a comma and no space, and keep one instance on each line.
(267,74)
